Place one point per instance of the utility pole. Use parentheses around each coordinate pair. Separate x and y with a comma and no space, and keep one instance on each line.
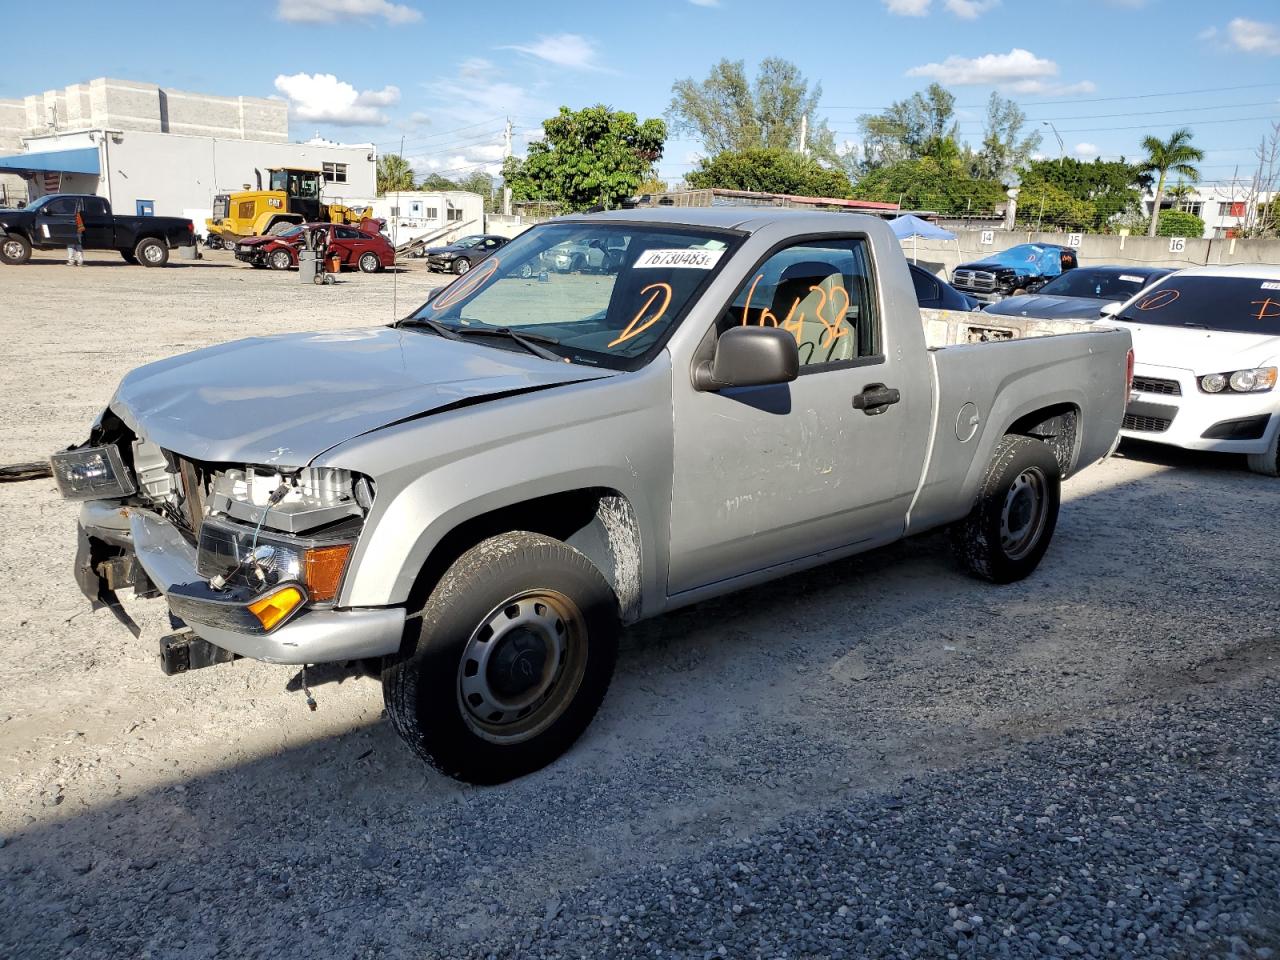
(506,153)
(804,135)
(1062,150)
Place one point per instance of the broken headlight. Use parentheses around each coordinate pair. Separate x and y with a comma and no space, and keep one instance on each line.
(241,555)
(91,473)
(293,501)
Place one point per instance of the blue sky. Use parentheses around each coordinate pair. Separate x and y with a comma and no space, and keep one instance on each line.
(442,76)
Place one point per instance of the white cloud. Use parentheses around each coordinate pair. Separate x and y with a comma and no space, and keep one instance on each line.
(331,11)
(1086,151)
(323,98)
(970,9)
(1253,36)
(1018,70)
(562,49)
(908,8)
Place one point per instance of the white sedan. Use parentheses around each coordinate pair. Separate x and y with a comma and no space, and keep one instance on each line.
(1206,344)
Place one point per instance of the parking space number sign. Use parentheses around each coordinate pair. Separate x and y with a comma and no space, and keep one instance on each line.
(1177,244)
(988,237)
(1074,239)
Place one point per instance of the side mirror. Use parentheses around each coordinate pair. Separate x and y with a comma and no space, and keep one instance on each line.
(749,357)
(1110,309)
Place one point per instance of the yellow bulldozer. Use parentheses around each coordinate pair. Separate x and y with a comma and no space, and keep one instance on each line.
(292,196)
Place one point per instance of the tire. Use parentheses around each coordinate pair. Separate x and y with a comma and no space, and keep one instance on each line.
(369,263)
(487,628)
(279,227)
(280,260)
(151,252)
(461,266)
(15,249)
(526,271)
(578,265)
(1268,463)
(128,256)
(1009,528)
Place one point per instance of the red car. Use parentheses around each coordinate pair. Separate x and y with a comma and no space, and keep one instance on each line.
(363,249)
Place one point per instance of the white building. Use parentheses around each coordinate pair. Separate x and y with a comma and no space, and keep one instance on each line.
(411,214)
(151,150)
(1224,208)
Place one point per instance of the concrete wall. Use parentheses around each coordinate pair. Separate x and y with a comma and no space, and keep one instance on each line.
(181,173)
(1097,250)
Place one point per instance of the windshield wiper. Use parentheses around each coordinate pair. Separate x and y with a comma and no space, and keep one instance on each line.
(434,326)
(530,341)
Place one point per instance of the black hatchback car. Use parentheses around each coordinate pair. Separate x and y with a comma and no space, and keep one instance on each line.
(461,255)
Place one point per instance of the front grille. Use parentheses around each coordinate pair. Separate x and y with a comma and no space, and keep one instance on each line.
(1170,388)
(981,280)
(1145,424)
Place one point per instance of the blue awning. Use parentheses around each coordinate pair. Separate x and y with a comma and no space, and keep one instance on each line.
(79,160)
(909,226)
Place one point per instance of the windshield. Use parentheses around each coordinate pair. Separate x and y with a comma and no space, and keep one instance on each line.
(614,310)
(1097,284)
(1235,304)
(467,242)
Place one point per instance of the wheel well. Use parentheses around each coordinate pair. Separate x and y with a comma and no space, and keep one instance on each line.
(598,522)
(1058,426)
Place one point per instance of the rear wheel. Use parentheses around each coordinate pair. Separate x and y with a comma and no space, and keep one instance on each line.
(369,263)
(461,266)
(511,659)
(15,249)
(280,260)
(526,271)
(1009,529)
(151,252)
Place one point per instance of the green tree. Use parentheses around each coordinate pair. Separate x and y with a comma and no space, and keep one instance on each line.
(769,170)
(1179,223)
(433,181)
(728,112)
(1114,187)
(920,126)
(1004,149)
(1176,155)
(589,157)
(926,184)
(393,173)
(1043,205)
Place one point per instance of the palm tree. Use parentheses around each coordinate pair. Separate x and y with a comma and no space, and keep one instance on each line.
(394,173)
(1175,154)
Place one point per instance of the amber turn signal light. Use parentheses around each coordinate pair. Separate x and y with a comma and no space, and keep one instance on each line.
(322,570)
(272,609)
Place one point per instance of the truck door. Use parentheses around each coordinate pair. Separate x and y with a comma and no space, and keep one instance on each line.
(56,221)
(766,475)
(99,228)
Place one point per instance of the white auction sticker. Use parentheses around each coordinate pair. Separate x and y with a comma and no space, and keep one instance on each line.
(1131,278)
(687,259)
(1271,286)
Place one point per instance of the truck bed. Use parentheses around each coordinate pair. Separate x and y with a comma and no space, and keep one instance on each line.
(949,328)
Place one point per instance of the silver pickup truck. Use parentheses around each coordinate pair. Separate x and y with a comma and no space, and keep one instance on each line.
(473,500)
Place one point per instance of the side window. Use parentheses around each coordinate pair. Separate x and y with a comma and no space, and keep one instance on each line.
(63,206)
(926,287)
(347,233)
(95,206)
(822,292)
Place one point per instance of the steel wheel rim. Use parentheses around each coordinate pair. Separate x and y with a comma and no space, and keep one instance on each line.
(12,249)
(1024,513)
(462,267)
(369,263)
(504,648)
(152,252)
(281,260)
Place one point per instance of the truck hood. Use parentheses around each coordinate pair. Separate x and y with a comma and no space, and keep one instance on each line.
(1200,351)
(1049,307)
(286,399)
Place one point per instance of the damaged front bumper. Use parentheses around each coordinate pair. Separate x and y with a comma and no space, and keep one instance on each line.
(130,546)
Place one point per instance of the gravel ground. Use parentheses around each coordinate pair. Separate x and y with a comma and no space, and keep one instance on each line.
(1090,754)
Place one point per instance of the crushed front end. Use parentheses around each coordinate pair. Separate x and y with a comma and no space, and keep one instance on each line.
(250,558)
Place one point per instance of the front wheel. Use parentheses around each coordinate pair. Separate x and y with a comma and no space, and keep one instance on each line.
(151,252)
(461,266)
(15,249)
(369,263)
(508,662)
(280,260)
(1268,462)
(1009,528)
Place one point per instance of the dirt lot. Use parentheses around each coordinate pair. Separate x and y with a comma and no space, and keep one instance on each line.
(212,815)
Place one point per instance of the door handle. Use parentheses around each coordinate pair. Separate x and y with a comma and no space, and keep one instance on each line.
(875,398)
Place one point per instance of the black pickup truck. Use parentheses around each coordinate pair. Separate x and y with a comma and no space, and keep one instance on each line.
(50,222)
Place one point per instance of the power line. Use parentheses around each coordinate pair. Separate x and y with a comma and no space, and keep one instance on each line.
(444,133)
(1135,96)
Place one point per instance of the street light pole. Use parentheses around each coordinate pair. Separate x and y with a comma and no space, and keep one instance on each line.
(1062,150)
